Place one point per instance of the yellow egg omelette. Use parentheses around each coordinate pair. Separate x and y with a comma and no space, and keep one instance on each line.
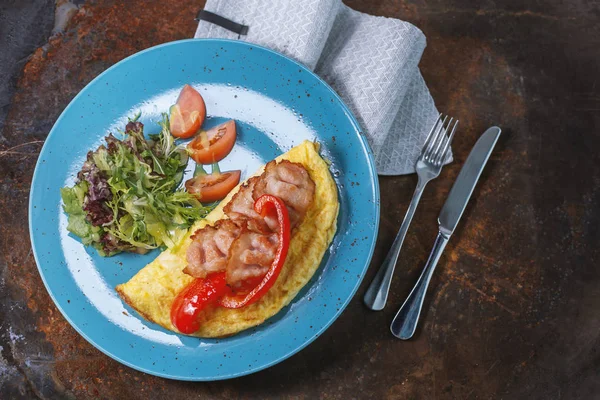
(153,289)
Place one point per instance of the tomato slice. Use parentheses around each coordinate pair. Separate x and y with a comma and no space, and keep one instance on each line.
(213,187)
(188,114)
(213,145)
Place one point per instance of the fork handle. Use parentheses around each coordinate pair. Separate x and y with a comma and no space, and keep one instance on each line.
(405,322)
(377,293)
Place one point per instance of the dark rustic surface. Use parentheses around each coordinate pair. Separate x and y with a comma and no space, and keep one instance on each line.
(513,310)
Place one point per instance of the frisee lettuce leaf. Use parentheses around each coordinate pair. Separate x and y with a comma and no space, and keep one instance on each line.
(127,197)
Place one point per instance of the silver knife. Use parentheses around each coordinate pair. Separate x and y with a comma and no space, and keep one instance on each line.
(405,322)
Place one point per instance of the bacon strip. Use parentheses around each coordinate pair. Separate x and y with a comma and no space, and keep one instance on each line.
(245,244)
(291,183)
(250,257)
(241,208)
(210,248)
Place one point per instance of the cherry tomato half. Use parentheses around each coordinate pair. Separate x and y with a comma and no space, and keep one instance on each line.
(213,187)
(213,145)
(188,114)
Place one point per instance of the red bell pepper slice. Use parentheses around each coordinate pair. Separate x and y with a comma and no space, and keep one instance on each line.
(204,291)
(194,298)
(264,205)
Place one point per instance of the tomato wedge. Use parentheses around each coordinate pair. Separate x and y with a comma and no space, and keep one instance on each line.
(213,145)
(265,204)
(213,187)
(194,298)
(188,114)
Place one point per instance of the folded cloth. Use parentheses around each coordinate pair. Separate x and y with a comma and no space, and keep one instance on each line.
(372,62)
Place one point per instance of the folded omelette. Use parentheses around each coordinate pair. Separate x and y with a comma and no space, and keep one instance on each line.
(153,289)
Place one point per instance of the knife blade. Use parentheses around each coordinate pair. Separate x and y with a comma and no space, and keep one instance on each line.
(467,179)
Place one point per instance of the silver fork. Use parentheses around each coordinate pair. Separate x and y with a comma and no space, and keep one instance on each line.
(434,153)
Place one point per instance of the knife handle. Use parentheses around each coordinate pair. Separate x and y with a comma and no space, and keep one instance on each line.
(405,322)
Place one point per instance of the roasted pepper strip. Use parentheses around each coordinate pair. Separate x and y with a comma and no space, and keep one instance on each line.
(194,298)
(264,205)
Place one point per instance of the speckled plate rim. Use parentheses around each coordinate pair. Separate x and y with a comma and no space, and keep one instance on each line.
(376,204)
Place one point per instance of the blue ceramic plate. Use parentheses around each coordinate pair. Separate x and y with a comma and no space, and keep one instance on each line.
(277,103)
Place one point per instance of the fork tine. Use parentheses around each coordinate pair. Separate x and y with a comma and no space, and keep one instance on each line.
(430,134)
(435,142)
(434,138)
(441,141)
(444,154)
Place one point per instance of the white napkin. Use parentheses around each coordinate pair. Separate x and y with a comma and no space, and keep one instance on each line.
(372,62)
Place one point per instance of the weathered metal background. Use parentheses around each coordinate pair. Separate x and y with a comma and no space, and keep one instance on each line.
(513,310)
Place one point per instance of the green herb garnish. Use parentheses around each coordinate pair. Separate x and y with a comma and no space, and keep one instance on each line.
(127,197)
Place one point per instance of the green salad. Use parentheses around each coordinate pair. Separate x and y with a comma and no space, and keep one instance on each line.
(126,197)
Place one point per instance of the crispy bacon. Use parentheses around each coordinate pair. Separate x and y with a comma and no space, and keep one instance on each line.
(291,183)
(241,208)
(210,248)
(245,244)
(250,257)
